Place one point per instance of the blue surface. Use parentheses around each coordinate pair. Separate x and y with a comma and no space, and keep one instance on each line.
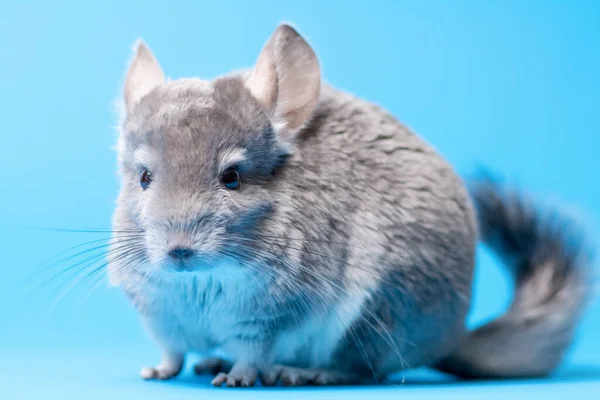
(514,84)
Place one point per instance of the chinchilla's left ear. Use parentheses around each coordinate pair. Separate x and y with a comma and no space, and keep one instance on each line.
(286,81)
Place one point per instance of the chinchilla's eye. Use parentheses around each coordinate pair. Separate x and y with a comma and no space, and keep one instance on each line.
(231,179)
(145,179)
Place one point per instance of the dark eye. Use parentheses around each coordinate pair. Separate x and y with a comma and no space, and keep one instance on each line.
(145,179)
(231,179)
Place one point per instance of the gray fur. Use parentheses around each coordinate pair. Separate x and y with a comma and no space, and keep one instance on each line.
(546,255)
(347,253)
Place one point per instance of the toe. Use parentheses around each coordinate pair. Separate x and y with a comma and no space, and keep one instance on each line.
(164,374)
(292,377)
(148,373)
(241,375)
(233,381)
(321,380)
(270,376)
(247,382)
(157,373)
(219,379)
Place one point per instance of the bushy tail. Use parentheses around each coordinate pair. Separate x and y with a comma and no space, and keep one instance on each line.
(546,255)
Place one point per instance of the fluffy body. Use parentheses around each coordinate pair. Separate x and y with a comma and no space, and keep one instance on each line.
(346,254)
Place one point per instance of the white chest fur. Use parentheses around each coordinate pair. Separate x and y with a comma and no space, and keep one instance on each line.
(203,314)
(198,312)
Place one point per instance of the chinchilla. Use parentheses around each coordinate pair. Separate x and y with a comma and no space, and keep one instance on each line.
(308,237)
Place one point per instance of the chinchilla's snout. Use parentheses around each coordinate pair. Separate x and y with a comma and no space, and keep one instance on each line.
(183,245)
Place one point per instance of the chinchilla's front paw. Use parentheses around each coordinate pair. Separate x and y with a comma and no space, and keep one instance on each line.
(169,367)
(160,373)
(241,375)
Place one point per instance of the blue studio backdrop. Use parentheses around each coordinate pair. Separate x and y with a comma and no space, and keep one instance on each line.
(510,84)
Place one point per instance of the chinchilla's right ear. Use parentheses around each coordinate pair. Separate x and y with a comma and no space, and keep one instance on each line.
(143,75)
(286,81)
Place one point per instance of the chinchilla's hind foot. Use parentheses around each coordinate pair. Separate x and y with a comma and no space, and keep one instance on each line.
(290,376)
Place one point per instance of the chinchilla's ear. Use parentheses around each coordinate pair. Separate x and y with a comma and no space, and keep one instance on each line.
(143,75)
(286,81)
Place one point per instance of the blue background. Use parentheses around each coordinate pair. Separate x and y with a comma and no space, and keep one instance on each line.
(512,84)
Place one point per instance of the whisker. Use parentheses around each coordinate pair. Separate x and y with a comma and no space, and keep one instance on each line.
(51,263)
(235,254)
(82,264)
(90,242)
(328,242)
(94,256)
(80,274)
(364,354)
(98,281)
(70,257)
(388,338)
(82,230)
(286,246)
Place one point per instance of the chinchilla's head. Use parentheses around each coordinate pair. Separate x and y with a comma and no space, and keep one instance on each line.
(198,158)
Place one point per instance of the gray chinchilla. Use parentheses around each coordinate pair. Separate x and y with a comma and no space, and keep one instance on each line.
(312,239)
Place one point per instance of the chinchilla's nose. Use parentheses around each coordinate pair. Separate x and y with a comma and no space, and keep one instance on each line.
(181,253)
